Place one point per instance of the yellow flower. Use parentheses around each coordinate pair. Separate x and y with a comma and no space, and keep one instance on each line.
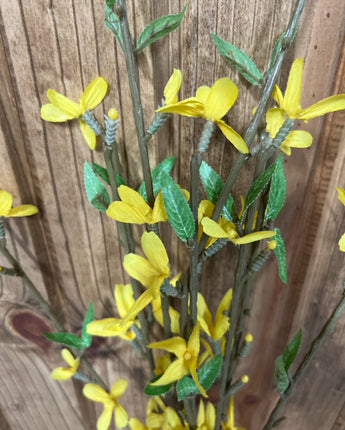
(6,209)
(341,197)
(229,424)
(62,109)
(133,209)
(150,271)
(155,412)
(187,354)
(108,327)
(66,372)
(209,103)
(228,231)
(172,421)
(110,400)
(206,421)
(290,102)
(221,324)
(275,118)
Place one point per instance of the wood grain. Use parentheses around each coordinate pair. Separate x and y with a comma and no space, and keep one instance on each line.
(69,250)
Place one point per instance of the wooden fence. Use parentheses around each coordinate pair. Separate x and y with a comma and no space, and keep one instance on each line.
(68,249)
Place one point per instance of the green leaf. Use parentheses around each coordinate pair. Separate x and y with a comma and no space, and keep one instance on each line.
(110,3)
(89,317)
(112,21)
(177,208)
(291,351)
(281,255)
(207,375)
(156,390)
(165,166)
(281,378)
(68,339)
(95,189)
(158,28)
(102,172)
(277,191)
(244,64)
(257,188)
(214,185)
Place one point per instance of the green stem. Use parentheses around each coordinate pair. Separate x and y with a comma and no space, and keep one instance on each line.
(326,330)
(133,79)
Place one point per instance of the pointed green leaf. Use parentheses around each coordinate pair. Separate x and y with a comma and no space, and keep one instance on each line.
(102,172)
(177,208)
(156,390)
(244,64)
(68,339)
(281,255)
(113,23)
(214,185)
(158,28)
(257,188)
(291,351)
(277,191)
(95,189)
(165,166)
(281,378)
(207,375)
(89,317)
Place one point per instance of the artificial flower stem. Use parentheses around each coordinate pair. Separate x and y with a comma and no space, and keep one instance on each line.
(189,406)
(253,127)
(193,267)
(166,315)
(326,330)
(133,78)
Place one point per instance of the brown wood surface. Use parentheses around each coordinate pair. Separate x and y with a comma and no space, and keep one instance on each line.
(69,250)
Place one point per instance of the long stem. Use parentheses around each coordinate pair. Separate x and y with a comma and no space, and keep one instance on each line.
(326,330)
(133,79)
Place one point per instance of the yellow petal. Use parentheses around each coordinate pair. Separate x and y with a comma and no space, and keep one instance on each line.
(155,251)
(222,96)
(204,315)
(278,96)
(194,340)
(124,298)
(118,388)
(23,210)
(142,270)
(211,228)
(233,137)
(330,104)
(298,139)
(253,237)
(121,417)
(176,344)
(158,212)
(174,372)
(108,327)
(142,301)
(172,419)
(189,107)
(133,198)
(342,243)
(136,424)
(96,393)
(196,379)
(104,419)
(222,321)
(293,89)
(210,416)
(202,93)
(62,373)
(341,195)
(51,113)
(124,212)
(68,357)
(172,87)
(275,118)
(5,202)
(94,93)
(201,414)
(67,106)
(88,134)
